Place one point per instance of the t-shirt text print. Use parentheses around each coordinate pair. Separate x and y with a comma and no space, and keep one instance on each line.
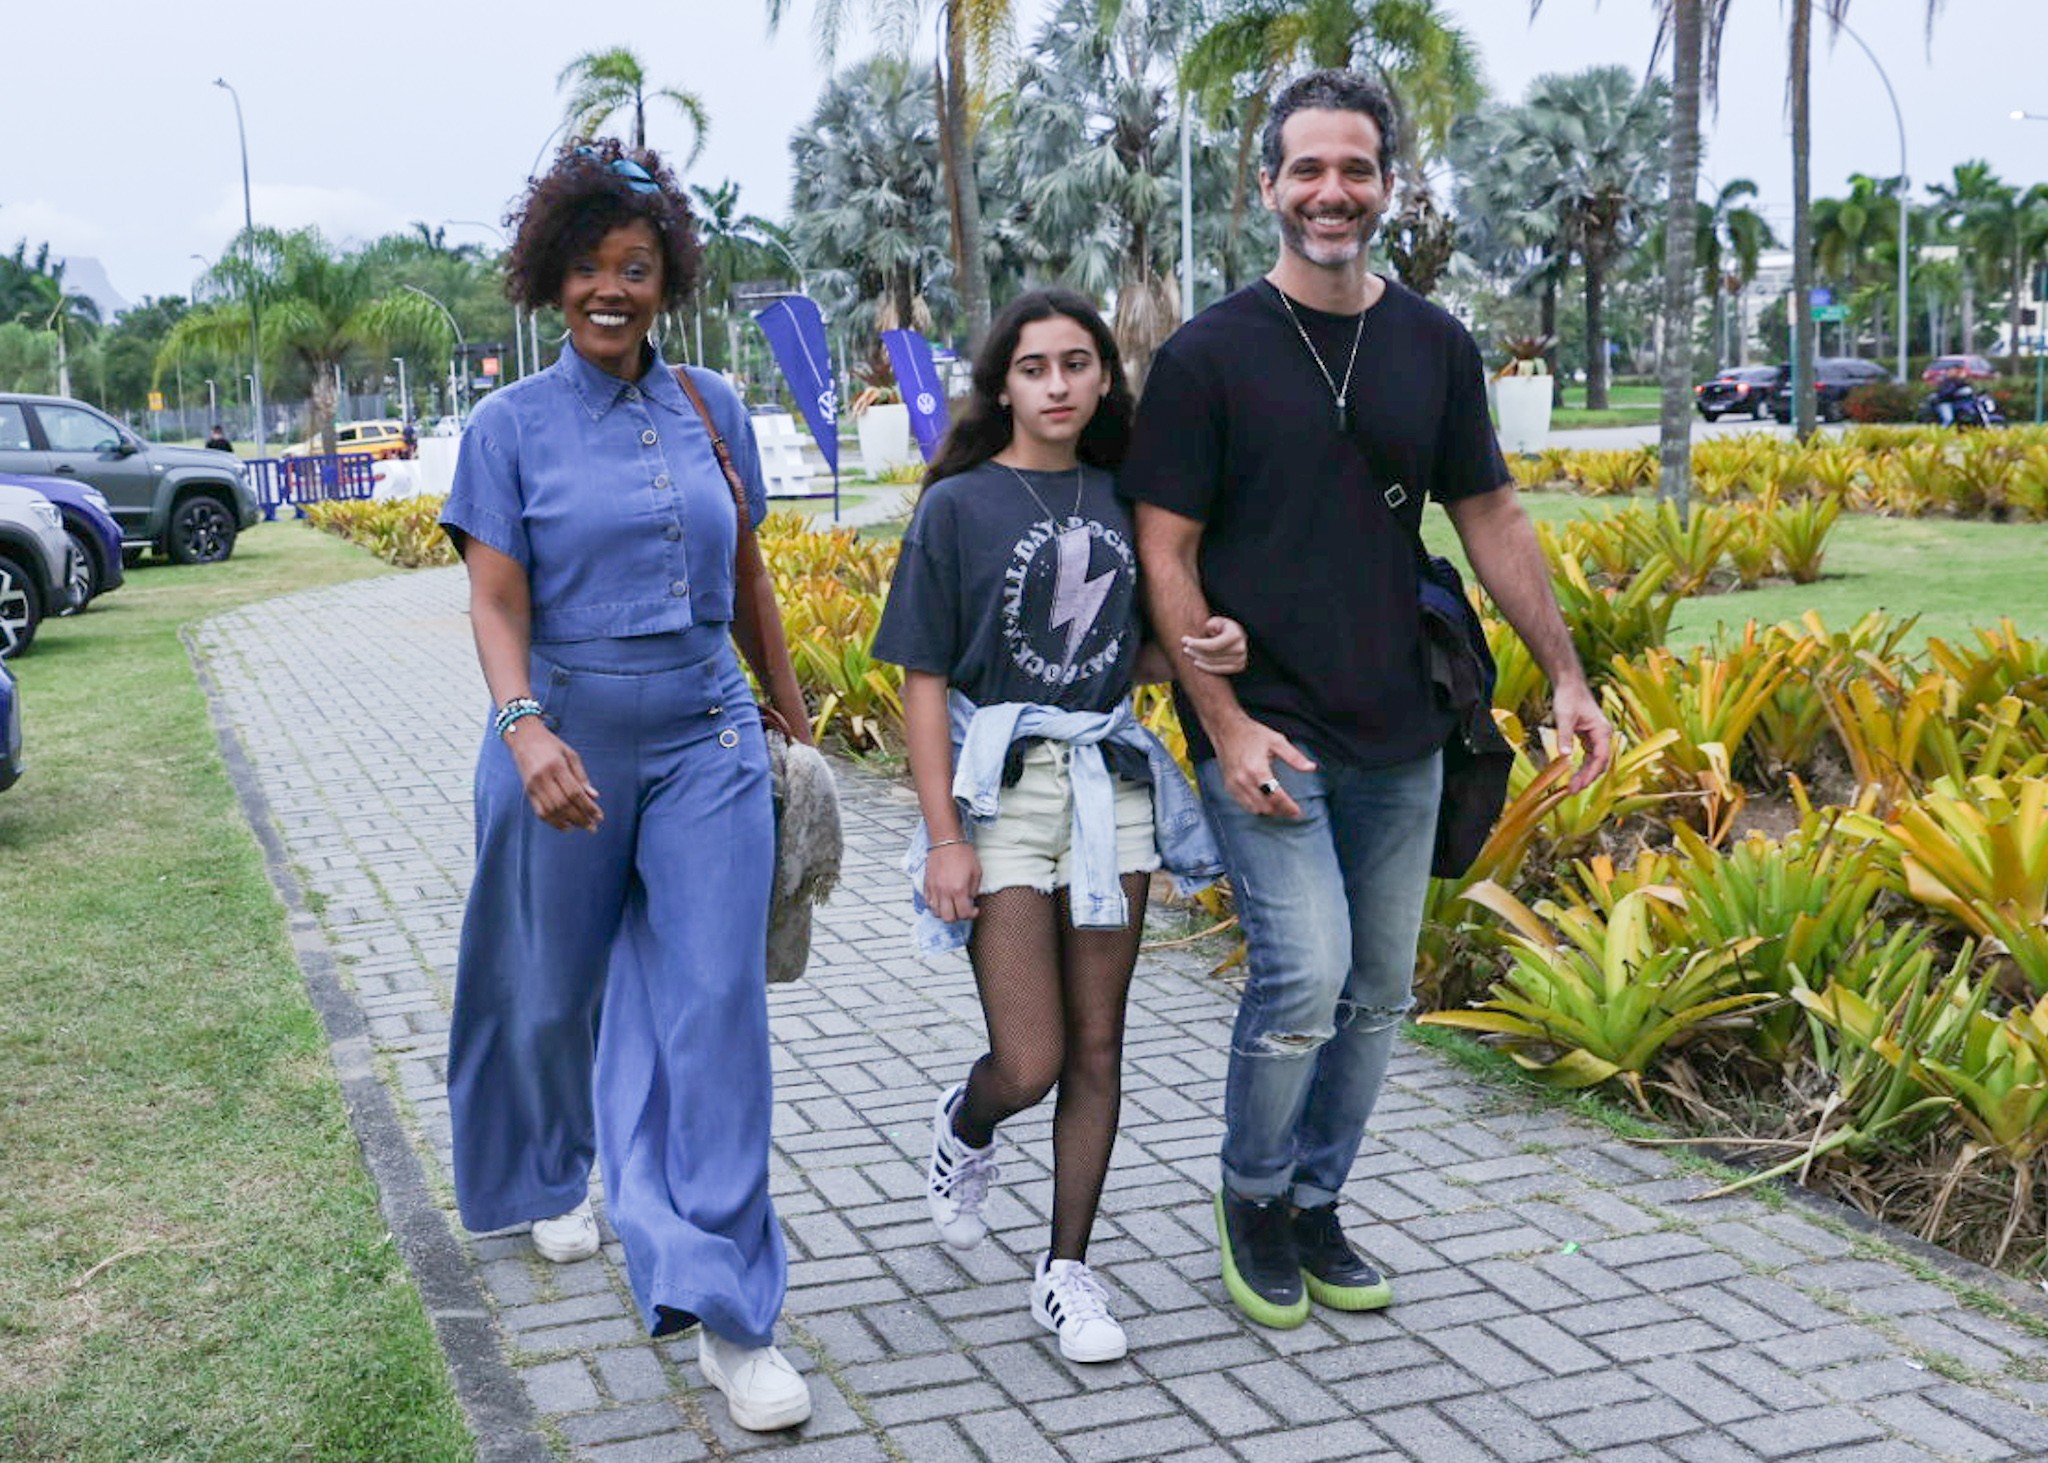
(1012,593)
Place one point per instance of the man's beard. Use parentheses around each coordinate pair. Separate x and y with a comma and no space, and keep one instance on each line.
(1327,255)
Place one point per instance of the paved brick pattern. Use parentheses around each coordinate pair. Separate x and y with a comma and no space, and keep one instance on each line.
(1561,1297)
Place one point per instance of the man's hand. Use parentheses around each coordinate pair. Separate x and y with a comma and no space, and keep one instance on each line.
(1222,649)
(1246,757)
(1582,725)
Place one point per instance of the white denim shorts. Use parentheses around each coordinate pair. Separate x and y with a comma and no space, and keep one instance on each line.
(1031,841)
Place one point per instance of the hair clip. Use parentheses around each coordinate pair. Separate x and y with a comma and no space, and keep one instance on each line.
(637,178)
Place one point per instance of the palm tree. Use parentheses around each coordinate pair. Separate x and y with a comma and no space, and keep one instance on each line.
(1597,145)
(735,245)
(976,37)
(1848,233)
(44,304)
(1970,184)
(1504,223)
(868,195)
(1419,51)
(2009,226)
(319,308)
(601,83)
(1733,240)
(1091,146)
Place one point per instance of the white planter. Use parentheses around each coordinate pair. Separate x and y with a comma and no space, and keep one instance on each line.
(885,437)
(1523,406)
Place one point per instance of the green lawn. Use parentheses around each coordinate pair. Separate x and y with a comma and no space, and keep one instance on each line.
(192,1265)
(1954,574)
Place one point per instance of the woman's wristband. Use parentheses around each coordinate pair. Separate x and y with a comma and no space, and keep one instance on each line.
(513,712)
(943,843)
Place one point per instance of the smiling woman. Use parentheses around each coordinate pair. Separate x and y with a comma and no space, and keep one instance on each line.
(614,946)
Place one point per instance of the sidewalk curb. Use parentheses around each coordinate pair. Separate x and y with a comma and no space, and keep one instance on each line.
(495,1405)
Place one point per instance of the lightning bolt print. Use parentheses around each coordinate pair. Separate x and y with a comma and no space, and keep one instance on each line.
(1077,599)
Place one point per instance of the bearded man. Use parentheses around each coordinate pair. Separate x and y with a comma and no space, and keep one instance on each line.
(1287,440)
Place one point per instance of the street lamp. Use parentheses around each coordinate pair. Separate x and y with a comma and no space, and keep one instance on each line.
(2019,116)
(1905,182)
(460,346)
(249,241)
(518,317)
(404,398)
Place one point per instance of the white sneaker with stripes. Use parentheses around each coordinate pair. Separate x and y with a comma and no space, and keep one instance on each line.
(1067,1299)
(957,1178)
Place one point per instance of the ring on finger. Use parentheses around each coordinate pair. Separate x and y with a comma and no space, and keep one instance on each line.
(1269,787)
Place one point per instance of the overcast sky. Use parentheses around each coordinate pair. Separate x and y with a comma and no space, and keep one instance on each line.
(365,117)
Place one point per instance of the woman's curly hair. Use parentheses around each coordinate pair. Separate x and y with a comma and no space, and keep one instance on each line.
(583,197)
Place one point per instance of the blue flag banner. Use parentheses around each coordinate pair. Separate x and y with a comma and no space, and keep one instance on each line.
(910,357)
(796,333)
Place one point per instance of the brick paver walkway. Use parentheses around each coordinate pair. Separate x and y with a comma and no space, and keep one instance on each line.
(1560,1298)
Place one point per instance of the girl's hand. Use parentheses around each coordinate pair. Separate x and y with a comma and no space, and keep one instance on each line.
(553,776)
(952,876)
(1222,649)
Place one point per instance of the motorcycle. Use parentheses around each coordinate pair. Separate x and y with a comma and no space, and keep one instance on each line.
(1961,405)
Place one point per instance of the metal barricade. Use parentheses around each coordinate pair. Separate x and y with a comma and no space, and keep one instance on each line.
(296,481)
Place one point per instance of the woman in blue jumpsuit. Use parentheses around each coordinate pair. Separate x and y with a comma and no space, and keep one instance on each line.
(610,988)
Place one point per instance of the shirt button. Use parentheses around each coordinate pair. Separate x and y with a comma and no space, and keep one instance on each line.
(678,588)
(632,393)
(662,481)
(650,437)
(673,532)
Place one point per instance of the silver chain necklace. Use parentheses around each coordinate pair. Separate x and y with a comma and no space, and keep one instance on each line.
(1339,394)
(1080,486)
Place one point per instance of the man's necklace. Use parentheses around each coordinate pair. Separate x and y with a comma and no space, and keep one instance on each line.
(1341,395)
(1050,521)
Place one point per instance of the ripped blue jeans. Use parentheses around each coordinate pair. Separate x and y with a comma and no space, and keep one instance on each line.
(1331,905)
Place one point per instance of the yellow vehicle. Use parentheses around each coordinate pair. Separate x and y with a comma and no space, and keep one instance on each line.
(384,438)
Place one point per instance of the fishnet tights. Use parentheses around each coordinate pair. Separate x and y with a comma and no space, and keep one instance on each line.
(1053,997)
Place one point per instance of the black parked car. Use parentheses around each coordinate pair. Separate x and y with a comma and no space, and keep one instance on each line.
(1737,391)
(1834,377)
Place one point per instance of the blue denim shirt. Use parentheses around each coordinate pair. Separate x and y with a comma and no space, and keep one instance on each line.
(608,493)
(981,742)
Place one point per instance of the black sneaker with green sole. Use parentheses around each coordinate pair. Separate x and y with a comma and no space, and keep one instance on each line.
(1336,1274)
(1260,1267)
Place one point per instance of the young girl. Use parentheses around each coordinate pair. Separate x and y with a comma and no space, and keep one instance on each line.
(1014,614)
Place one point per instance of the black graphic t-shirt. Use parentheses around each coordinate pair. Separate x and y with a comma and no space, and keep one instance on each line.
(1010,605)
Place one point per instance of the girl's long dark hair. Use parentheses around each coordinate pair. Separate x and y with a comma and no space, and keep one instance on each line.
(982,425)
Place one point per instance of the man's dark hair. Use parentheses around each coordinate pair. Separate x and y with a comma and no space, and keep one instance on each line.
(1332,90)
(591,189)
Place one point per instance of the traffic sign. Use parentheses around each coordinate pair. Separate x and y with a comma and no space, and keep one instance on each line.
(1830,314)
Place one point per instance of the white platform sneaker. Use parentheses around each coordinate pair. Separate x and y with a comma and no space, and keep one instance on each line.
(762,1390)
(567,1237)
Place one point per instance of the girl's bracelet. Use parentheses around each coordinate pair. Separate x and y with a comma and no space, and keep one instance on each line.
(943,843)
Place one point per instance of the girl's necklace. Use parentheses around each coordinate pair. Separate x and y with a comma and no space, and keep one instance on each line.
(1050,521)
(1340,394)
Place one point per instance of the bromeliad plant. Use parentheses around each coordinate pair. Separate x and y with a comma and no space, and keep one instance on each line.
(1591,999)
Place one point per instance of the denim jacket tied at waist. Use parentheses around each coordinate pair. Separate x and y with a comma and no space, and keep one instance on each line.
(982,736)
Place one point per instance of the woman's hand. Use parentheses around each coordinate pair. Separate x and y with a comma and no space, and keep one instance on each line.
(553,777)
(952,877)
(1222,649)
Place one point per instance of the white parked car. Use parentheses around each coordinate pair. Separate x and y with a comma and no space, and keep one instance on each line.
(35,565)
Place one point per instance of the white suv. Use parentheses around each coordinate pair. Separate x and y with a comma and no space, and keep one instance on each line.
(35,565)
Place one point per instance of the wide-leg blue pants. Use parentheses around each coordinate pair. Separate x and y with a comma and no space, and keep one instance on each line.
(634,954)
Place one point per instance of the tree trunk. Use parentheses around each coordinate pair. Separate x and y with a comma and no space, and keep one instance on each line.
(1546,325)
(1674,369)
(1802,224)
(961,184)
(2012,335)
(324,396)
(1969,309)
(1596,333)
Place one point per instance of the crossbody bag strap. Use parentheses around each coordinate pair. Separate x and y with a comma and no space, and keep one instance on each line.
(746,548)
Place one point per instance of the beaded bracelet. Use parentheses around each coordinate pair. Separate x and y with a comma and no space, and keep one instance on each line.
(513,711)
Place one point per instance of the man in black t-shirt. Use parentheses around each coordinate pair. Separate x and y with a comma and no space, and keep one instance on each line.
(1286,442)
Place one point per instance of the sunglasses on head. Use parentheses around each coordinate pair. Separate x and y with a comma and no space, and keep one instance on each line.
(637,178)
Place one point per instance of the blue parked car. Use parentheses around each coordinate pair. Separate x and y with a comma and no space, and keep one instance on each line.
(10,729)
(94,532)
